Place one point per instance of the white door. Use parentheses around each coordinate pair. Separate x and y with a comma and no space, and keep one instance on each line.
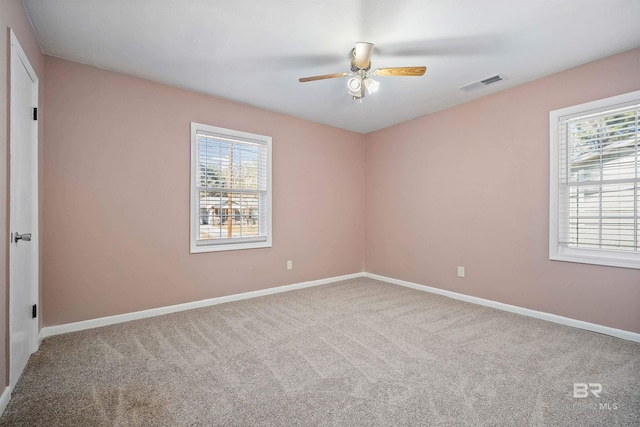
(23,253)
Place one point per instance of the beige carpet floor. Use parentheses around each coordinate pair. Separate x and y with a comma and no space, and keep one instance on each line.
(353,353)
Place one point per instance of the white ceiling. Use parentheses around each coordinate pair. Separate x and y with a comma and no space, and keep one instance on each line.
(254,51)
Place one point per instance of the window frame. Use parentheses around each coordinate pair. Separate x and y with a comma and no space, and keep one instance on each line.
(194,211)
(558,251)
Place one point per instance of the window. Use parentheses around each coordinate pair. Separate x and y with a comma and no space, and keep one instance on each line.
(595,182)
(230,189)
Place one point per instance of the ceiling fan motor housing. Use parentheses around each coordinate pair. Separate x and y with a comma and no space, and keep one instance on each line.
(355,68)
(361,57)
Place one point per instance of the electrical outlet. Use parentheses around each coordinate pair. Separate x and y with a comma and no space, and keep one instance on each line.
(460,271)
(289,265)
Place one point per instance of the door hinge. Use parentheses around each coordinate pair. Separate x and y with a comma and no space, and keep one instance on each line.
(34,311)
(35,113)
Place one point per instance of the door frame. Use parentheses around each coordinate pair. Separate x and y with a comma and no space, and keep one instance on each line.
(17,51)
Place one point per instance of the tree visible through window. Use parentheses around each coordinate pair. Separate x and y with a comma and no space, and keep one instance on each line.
(231,189)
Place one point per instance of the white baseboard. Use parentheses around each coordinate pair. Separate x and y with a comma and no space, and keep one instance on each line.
(4,399)
(111,320)
(49,331)
(619,333)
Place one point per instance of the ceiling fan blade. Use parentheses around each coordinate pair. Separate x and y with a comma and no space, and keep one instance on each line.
(325,76)
(363,54)
(399,71)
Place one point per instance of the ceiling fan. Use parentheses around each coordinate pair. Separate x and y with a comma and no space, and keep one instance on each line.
(360,82)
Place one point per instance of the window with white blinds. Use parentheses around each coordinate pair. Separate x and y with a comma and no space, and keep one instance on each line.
(595,182)
(230,189)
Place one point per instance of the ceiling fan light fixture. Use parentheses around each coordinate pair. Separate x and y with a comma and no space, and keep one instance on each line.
(354,84)
(356,87)
(371,85)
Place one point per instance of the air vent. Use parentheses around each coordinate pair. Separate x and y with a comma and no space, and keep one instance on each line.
(482,83)
(490,80)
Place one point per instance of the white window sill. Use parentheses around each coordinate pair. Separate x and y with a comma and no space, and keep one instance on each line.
(606,259)
(229,246)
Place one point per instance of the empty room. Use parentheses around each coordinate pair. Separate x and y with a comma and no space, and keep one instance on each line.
(320,213)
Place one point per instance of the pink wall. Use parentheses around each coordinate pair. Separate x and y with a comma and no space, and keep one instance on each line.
(469,186)
(12,15)
(116,197)
(466,186)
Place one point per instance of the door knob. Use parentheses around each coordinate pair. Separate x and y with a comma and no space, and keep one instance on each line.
(24,237)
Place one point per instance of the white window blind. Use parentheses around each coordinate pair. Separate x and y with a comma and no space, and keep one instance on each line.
(598,184)
(231,189)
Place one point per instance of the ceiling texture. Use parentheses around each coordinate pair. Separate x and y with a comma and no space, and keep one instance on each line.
(254,51)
